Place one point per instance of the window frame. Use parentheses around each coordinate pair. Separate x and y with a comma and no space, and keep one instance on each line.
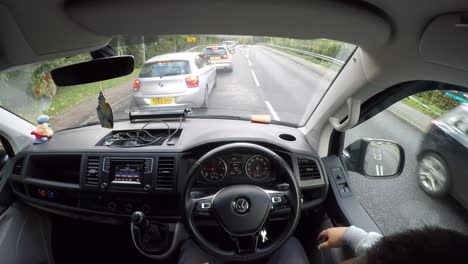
(7,147)
(199,58)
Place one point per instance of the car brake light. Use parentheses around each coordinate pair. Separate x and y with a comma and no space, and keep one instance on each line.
(136,85)
(191,81)
(225,56)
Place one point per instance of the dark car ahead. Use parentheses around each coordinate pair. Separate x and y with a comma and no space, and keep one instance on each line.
(444,155)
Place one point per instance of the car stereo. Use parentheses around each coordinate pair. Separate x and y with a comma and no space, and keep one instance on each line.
(127,172)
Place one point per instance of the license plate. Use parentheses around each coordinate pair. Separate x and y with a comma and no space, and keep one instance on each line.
(215,58)
(158,101)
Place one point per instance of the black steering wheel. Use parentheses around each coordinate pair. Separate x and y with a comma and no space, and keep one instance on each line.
(242,210)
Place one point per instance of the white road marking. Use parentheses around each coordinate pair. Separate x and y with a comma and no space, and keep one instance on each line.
(270,107)
(379,170)
(255,78)
(272,111)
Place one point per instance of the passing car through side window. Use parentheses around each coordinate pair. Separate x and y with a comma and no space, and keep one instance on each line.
(432,128)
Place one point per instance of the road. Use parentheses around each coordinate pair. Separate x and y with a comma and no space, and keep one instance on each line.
(263,78)
(259,84)
(264,82)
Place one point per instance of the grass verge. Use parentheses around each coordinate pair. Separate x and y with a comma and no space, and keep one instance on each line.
(325,64)
(429,110)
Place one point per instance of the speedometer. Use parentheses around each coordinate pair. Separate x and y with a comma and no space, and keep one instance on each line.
(257,167)
(214,170)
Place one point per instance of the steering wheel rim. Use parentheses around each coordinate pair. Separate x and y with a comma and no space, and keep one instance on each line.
(293,197)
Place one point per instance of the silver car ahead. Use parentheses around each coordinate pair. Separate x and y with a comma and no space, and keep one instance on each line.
(176,80)
(219,56)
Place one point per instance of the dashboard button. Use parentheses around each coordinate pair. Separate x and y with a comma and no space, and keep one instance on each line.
(276,199)
(42,193)
(146,208)
(128,207)
(51,195)
(205,205)
(112,206)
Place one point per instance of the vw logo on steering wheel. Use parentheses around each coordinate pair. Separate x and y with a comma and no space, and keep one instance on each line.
(241,205)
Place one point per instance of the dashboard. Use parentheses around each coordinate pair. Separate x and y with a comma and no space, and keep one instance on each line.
(74,174)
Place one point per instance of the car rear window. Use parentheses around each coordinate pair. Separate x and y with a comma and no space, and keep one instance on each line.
(215,51)
(165,68)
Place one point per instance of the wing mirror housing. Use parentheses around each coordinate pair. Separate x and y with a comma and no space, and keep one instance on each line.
(375,158)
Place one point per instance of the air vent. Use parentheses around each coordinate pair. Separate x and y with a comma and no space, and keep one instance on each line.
(92,171)
(18,166)
(308,169)
(165,173)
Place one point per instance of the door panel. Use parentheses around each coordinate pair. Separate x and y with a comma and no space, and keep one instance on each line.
(344,208)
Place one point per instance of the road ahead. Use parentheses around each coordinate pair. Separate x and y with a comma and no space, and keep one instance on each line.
(264,82)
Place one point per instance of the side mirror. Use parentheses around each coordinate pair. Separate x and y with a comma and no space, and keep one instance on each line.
(375,158)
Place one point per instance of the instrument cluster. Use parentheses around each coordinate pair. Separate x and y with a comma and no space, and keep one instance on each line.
(236,168)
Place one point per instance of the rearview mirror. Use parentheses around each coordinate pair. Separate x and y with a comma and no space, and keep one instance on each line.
(93,70)
(375,158)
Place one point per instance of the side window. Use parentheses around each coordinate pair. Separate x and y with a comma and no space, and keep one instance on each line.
(205,61)
(199,62)
(431,127)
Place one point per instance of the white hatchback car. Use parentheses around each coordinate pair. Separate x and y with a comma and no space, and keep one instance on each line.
(219,56)
(174,80)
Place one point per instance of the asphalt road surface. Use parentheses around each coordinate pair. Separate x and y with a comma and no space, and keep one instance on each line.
(398,204)
(262,81)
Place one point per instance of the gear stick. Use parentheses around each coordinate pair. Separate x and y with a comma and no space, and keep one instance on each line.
(150,236)
(138,218)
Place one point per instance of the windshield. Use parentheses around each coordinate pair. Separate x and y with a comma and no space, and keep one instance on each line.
(281,78)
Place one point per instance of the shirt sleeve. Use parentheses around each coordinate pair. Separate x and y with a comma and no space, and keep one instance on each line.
(359,240)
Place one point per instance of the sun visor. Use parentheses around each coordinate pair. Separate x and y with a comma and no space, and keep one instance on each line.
(302,19)
(445,41)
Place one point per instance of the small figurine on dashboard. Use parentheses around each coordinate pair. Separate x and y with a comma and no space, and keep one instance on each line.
(43,130)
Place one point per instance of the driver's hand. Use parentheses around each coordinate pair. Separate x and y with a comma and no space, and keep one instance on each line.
(332,237)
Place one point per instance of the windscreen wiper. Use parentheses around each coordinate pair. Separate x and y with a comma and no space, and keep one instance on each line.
(166,115)
(204,116)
